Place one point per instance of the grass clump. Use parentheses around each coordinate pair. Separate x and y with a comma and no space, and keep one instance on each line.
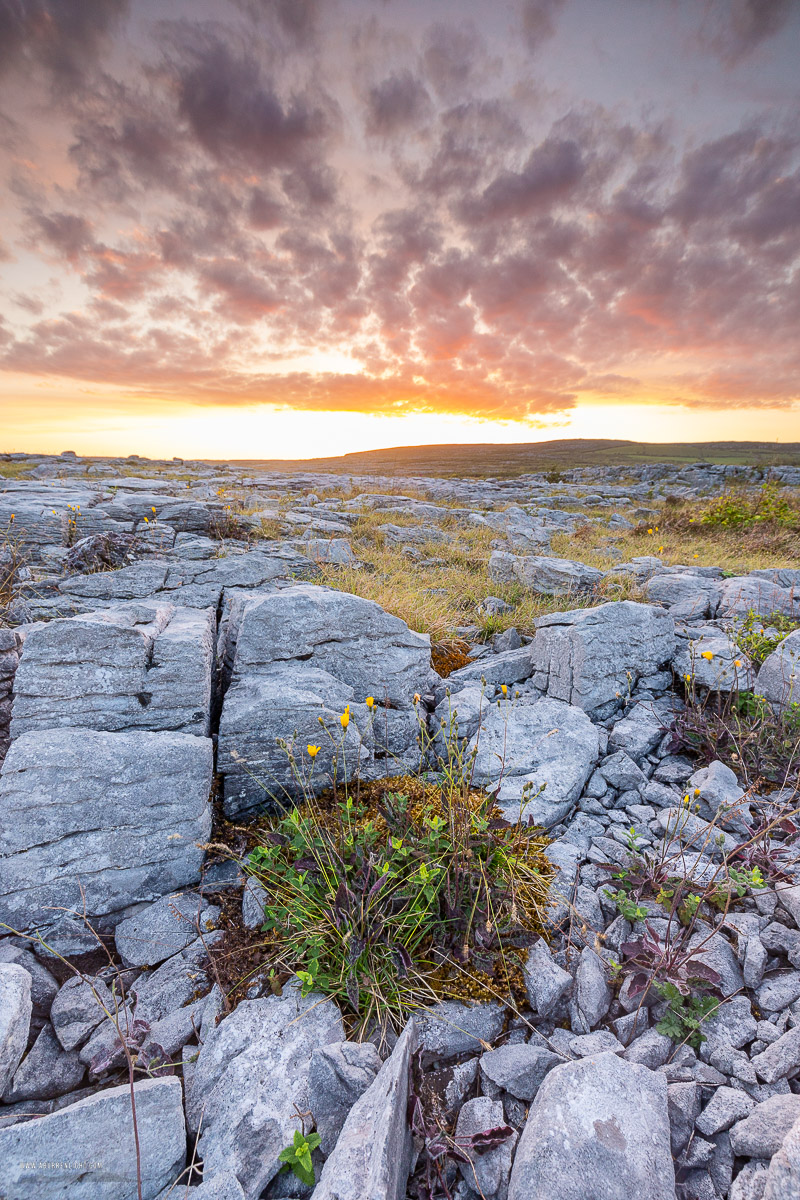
(389,895)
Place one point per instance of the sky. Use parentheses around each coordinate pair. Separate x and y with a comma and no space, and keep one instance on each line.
(291,228)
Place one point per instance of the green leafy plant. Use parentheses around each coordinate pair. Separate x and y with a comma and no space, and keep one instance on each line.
(627,907)
(740,508)
(297,1156)
(685,1015)
(758,636)
(387,895)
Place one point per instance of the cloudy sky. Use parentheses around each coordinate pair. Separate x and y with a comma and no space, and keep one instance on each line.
(257,228)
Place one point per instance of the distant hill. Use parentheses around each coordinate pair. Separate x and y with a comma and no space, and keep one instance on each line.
(560,455)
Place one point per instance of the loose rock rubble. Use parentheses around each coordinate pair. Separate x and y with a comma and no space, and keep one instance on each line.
(137,661)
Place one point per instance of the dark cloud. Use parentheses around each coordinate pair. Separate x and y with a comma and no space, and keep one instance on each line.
(735,28)
(551,172)
(63,36)
(233,107)
(398,101)
(450,56)
(538,19)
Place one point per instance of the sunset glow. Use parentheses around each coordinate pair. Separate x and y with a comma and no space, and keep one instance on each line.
(263,228)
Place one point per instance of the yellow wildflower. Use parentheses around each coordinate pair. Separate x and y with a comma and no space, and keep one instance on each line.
(649,531)
(687,678)
(345,717)
(417,697)
(370,700)
(313,751)
(707,654)
(504,689)
(737,662)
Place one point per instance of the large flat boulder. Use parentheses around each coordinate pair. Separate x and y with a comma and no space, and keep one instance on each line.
(546,745)
(597,1130)
(299,656)
(135,666)
(109,819)
(87,1150)
(592,657)
(555,576)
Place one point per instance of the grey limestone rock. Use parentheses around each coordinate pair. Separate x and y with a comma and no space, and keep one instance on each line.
(783,1175)
(372,1157)
(79,1007)
(305,653)
(726,1106)
(251,1072)
(545,981)
(488,1171)
(592,657)
(338,1075)
(779,676)
(118,814)
(546,745)
(46,1071)
(141,666)
(555,576)
(518,1069)
(451,1028)
(598,1122)
(761,1133)
(163,928)
(86,1150)
(592,995)
(15,1019)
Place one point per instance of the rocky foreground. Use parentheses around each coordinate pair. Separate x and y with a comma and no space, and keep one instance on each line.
(151,657)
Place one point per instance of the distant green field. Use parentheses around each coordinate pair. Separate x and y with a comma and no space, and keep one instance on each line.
(483,460)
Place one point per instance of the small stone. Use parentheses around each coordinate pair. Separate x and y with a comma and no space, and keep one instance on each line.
(163,929)
(452,1028)
(46,1071)
(518,1069)
(488,1171)
(761,1133)
(15,1019)
(683,1102)
(781,1060)
(545,981)
(337,1076)
(725,1107)
(650,1049)
(592,996)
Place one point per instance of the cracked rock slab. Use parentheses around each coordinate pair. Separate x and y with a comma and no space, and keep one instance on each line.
(101,819)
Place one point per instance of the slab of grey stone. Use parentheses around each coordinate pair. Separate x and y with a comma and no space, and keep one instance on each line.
(140,666)
(372,1157)
(783,1175)
(15,1019)
(46,1071)
(761,1134)
(120,815)
(86,1150)
(163,928)
(251,1072)
(451,1028)
(591,997)
(79,1007)
(338,1075)
(592,657)
(518,1069)
(489,1171)
(545,981)
(598,1121)
(175,982)
(781,1059)
(546,745)
(726,1106)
